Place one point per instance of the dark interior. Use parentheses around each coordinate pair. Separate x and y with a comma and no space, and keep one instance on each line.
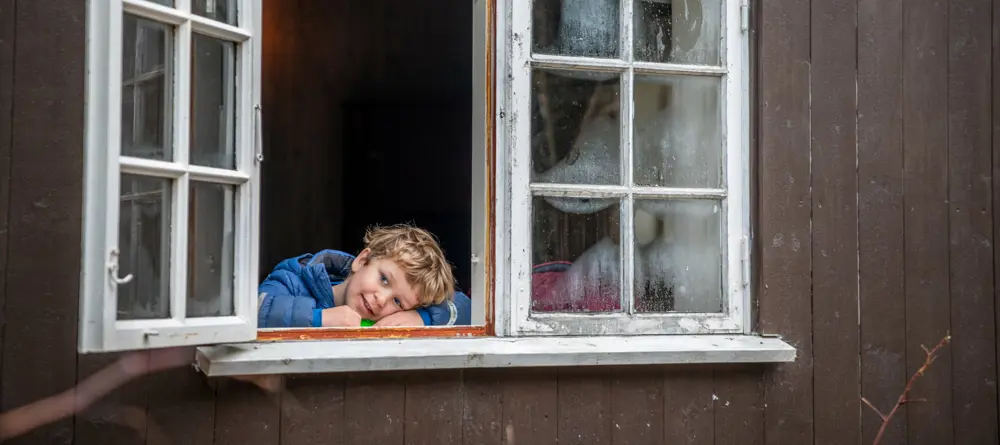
(367,119)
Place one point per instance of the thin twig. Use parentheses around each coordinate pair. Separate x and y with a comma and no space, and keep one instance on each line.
(904,397)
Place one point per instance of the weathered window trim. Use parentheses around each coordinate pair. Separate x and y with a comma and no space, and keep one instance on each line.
(303,357)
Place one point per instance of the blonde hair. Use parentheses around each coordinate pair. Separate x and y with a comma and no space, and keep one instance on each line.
(420,257)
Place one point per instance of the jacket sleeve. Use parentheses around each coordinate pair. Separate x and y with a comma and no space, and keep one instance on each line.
(456,312)
(281,305)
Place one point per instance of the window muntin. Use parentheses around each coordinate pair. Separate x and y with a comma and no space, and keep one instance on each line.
(630,181)
(171,173)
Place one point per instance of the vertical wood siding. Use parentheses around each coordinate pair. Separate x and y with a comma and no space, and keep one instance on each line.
(876,151)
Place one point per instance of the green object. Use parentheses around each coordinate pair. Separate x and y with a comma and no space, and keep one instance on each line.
(366,323)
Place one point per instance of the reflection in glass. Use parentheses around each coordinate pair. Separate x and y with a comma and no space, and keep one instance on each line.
(146,89)
(678,131)
(575,128)
(687,32)
(678,257)
(576,259)
(587,28)
(210,250)
(219,10)
(213,103)
(144,244)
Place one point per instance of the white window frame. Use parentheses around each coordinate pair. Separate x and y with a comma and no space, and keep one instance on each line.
(735,192)
(100,330)
(227,344)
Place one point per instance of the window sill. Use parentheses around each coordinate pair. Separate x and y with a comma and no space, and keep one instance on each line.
(328,356)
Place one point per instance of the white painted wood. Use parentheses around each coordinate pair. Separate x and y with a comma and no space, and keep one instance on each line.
(481,141)
(99,328)
(484,352)
(732,196)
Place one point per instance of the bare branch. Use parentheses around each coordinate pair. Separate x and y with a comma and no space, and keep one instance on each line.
(904,397)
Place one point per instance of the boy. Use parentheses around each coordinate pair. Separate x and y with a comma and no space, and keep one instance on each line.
(401,278)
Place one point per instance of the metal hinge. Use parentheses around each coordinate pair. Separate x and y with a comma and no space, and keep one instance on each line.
(258,130)
(744,15)
(745,261)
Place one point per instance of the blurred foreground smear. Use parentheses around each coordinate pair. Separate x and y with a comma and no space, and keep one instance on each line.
(129,366)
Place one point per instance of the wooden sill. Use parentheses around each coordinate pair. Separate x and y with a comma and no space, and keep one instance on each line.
(385,354)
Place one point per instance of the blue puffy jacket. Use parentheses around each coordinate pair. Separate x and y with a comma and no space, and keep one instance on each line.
(299,288)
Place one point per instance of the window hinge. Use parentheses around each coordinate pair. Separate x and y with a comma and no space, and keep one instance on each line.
(258,135)
(745,261)
(744,15)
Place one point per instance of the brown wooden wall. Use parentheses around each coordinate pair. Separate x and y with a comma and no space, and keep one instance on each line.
(875,152)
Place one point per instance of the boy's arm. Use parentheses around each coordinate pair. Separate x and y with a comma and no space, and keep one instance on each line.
(278,306)
(456,312)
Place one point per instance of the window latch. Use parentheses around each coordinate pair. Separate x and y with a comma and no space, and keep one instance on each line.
(113,269)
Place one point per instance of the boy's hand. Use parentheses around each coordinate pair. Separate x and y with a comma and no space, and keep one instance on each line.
(341,317)
(402,318)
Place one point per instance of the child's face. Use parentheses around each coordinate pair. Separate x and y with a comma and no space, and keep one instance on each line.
(378,288)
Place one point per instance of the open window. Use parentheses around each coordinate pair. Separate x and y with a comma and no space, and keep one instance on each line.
(584,164)
(171,173)
(629,185)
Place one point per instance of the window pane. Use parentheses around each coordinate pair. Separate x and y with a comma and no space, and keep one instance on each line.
(146,89)
(678,256)
(144,244)
(220,10)
(213,102)
(576,256)
(576,27)
(678,131)
(169,3)
(574,127)
(210,250)
(687,32)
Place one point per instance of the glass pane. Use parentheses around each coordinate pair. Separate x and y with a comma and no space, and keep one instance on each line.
(678,131)
(678,256)
(144,244)
(688,32)
(576,257)
(575,132)
(220,10)
(213,103)
(147,70)
(210,250)
(586,28)
(169,3)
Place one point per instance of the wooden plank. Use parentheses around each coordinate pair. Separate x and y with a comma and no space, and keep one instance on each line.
(637,406)
(7,45)
(245,414)
(835,223)
(996,174)
(973,327)
(482,419)
(880,213)
(434,408)
(377,409)
(312,410)
(925,179)
(689,405)
(784,235)
(39,351)
(584,398)
(530,407)
(739,410)
(180,408)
